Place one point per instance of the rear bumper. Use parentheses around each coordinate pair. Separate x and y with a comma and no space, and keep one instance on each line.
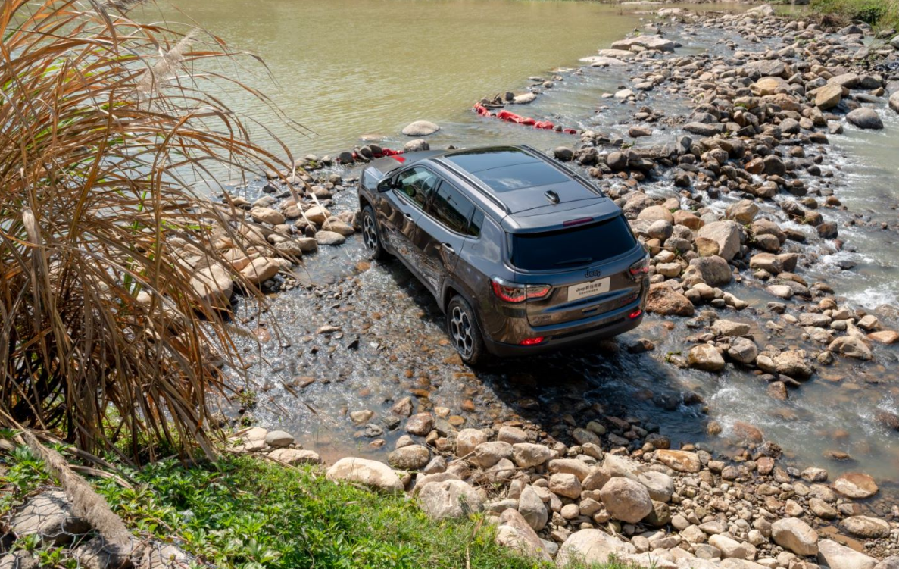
(603,326)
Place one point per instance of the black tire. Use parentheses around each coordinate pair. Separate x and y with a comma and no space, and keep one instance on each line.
(371,235)
(464,331)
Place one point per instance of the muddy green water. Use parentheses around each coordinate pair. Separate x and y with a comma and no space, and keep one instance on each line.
(346,68)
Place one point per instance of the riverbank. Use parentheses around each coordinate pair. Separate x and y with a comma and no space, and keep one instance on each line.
(721,160)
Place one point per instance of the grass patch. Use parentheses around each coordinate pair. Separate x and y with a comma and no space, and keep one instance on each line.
(881,13)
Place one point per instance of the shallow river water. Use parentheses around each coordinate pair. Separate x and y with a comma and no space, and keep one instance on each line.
(432,60)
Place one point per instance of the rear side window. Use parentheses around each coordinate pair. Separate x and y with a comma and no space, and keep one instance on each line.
(451,208)
(417,184)
(574,247)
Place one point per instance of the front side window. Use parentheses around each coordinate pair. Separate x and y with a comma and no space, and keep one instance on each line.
(451,208)
(417,184)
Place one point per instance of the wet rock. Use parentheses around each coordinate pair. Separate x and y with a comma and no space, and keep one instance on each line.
(855,485)
(563,154)
(626,499)
(851,347)
(884,336)
(705,357)
(744,351)
(317,214)
(49,516)
(420,128)
(866,526)
(294,456)
(726,234)
(723,327)
(329,238)
(665,301)
(420,424)
(279,439)
(417,145)
(524,98)
(412,457)
(713,269)
(515,533)
(865,118)
(532,508)
(260,270)
(267,215)
(592,546)
(742,212)
(792,363)
(837,556)
(364,471)
(679,460)
(704,129)
(795,535)
(449,499)
(822,509)
(828,96)
(894,101)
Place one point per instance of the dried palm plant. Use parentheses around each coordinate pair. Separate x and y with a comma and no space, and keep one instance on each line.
(104,125)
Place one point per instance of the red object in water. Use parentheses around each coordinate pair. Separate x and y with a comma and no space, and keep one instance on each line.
(509,116)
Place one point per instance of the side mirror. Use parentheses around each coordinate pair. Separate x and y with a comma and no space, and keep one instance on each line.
(386,184)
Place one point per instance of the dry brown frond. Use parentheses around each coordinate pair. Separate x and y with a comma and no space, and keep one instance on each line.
(105,335)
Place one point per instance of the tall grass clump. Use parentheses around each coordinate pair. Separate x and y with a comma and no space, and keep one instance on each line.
(104,125)
(881,13)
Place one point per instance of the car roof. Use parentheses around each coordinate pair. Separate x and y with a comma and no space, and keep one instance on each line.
(520,179)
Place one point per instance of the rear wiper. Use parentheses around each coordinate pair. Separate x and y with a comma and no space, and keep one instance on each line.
(582,260)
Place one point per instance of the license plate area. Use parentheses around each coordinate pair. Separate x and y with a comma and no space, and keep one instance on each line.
(588,289)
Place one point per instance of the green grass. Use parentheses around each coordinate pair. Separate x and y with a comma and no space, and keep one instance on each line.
(881,13)
(247,513)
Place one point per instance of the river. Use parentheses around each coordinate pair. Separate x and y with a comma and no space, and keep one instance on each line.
(348,68)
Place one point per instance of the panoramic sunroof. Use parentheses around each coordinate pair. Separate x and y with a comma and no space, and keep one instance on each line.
(506,168)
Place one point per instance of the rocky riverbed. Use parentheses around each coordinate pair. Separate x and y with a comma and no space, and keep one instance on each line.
(721,159)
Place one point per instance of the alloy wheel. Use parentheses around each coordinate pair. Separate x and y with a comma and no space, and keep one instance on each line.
(460,328)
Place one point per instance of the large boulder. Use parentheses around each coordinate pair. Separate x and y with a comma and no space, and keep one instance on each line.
(626,499)
(894,101)
(727,234)
(49,516)
(592,546)
(515,533)
(655,213)
(855,485)
(468,439)
(449,499)
(260,270)
(679,460)
(838,556)
(713,269)
(532,508)
(866,526)
(363,471)
(410,457)
(665,301)
(865,118)
(420,128)
(795,535)
(705,357)
(828,96)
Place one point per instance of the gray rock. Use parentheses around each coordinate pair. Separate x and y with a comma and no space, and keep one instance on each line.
(532,508)
(626,500)
(563,154)
(449,499)
(743,350)
(279,439)
(364,471)
(865,118)
(467,440)
(894,101)
(714,270)
(515,533)
(838,556)
(727,234)
(795,535)
(489,453)
(866,526)
(529,455)
(417,145)
(420,128)
(410,457)
(592,546)
(49,516)
(705,357)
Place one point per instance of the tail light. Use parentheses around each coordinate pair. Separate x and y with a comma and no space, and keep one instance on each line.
(639,268)
(515,293)
(635,314)
(532,341)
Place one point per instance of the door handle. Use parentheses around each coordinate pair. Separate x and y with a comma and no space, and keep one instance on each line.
(449,247)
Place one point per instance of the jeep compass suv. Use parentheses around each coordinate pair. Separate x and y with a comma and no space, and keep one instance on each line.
(522,254)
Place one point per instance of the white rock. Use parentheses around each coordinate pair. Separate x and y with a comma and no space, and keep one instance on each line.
(449,499)
(364,471)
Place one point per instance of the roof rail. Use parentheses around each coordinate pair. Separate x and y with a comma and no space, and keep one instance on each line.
(565,169)
(473,182)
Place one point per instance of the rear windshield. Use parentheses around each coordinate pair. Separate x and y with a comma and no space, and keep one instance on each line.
(573,247)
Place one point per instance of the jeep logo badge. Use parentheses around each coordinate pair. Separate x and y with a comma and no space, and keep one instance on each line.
(593,274)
